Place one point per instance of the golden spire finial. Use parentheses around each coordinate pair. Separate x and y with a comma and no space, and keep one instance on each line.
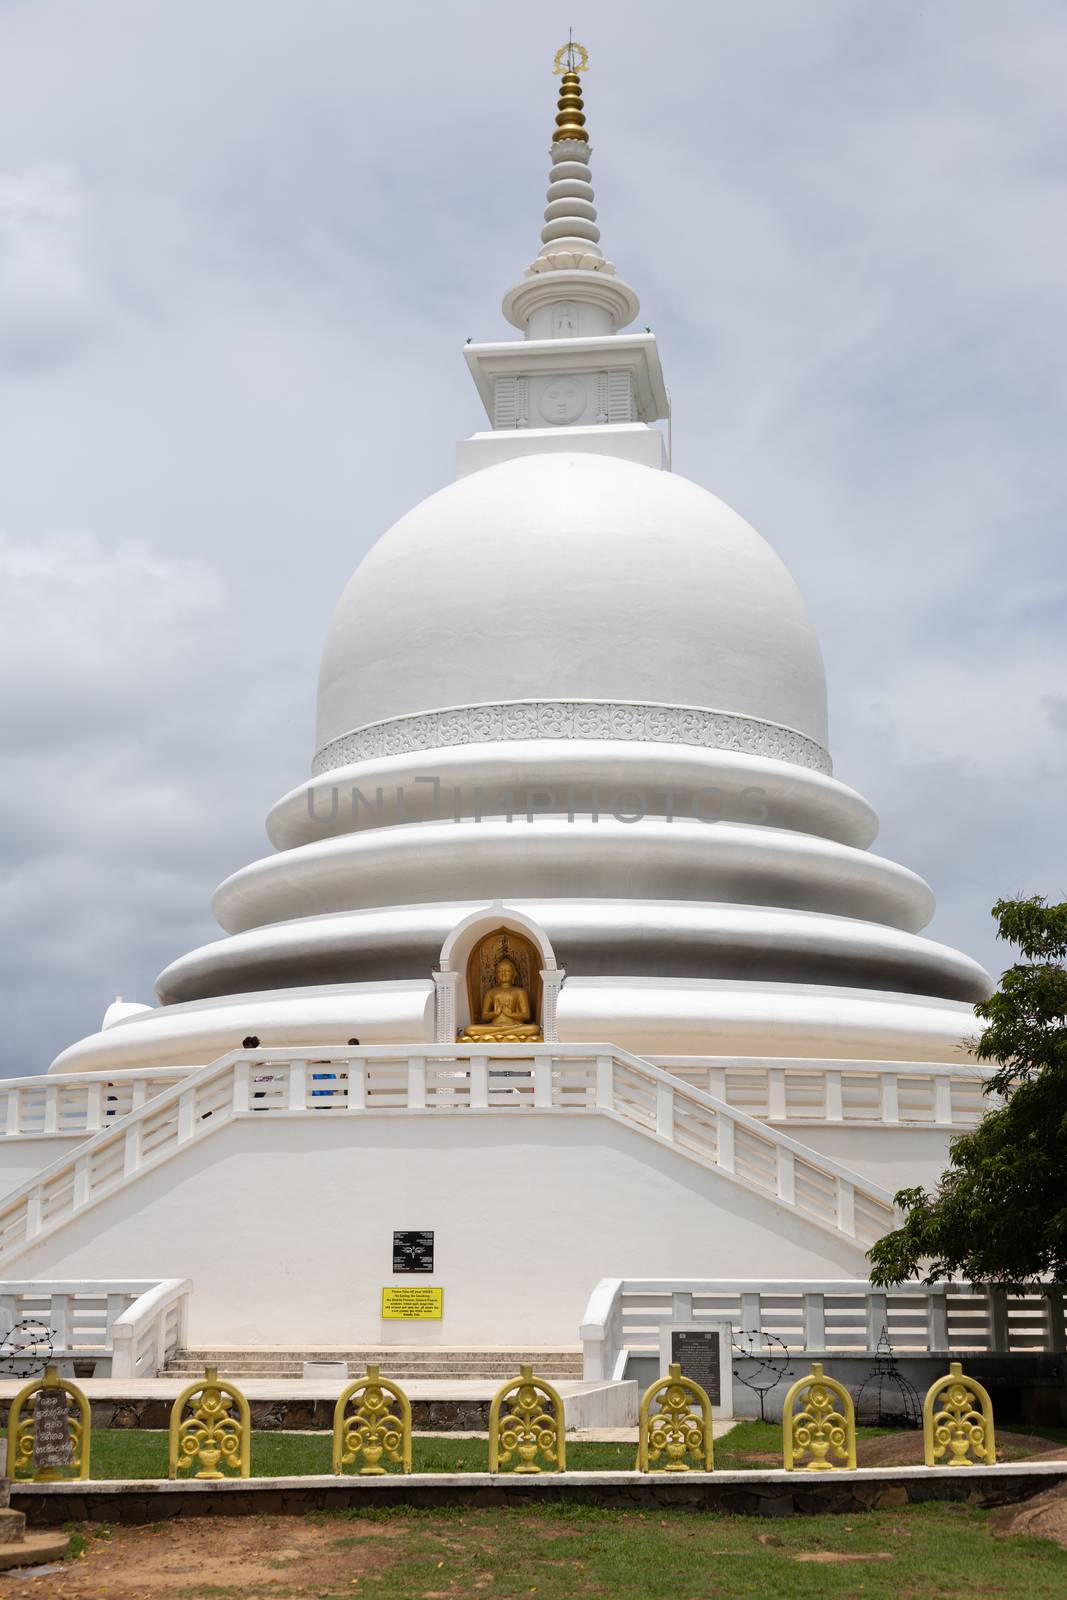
(570,118)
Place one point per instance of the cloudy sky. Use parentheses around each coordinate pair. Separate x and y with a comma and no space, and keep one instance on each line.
(241,246)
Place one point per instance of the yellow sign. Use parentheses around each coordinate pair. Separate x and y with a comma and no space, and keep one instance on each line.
(400,1303)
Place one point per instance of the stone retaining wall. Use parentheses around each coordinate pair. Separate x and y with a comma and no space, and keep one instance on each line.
(761,1494)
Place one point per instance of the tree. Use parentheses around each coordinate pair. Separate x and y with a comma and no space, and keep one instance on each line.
(999,1214)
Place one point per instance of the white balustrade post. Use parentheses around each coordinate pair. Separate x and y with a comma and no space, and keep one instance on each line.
(1055,1332)
(943,1099)
(937,1320)
(51,1108)
(181,1330)
(33,1212)
(159,1333)
(58,1316)
(14,1111)
(846,1207)
(298,1086)
(242,1075)
(999,1337)
(890,1097)
(479,1083)
(116,1305)
(357,1083)
(724,1141)
(605,1082)
(94,1107)
(186,1116)
(751,1313)
(139,1094)
(542,1082)
(717,1082)
(787,1176)
(664,1110)
(776,1106)
(131,1149)
(835,1105)
(416,1083)
(815,1321)
(681,1305)
(877,1318)
(81,1182)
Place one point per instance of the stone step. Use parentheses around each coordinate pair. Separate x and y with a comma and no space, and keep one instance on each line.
(394,1361)
(35,1549)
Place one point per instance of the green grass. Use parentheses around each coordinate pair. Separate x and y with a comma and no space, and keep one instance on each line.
(587,1553)
(138,1453)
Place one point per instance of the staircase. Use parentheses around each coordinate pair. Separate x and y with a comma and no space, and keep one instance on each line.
(399,1362)
(458,1080)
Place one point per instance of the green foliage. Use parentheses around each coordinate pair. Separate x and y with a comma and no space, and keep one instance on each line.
(999,1214)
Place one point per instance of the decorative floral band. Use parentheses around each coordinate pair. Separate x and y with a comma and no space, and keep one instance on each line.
(572,719)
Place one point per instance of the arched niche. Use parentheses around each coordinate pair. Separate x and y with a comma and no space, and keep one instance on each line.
(470,946)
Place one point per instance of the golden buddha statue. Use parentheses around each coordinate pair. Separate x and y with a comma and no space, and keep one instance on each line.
(505,1011)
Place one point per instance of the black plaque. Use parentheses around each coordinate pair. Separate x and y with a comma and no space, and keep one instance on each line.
(53,1445)
(413,1252)
(697,1354)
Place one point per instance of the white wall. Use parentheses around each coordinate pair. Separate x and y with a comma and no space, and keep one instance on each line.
(22,1158)
(285,1226)
(893,1157)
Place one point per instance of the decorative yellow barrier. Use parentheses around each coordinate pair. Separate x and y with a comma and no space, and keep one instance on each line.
(49,1418)
(217,1432)
(520,1424)
(673,1430)
(824,1428)
(372,1428)
(953,1426)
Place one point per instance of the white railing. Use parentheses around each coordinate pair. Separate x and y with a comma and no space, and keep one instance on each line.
(151,1330)
(845,1316)
(881,1092)
(81,1313)
(75,1104)
(451,1081)
(773,1089)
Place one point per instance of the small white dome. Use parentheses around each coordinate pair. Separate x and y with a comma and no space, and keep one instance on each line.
(571,576)
(120,1009)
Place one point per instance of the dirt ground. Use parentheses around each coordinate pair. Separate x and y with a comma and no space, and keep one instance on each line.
(253,1557)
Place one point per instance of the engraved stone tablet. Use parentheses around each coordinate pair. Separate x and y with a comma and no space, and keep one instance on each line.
(704,1351)
(53,1443)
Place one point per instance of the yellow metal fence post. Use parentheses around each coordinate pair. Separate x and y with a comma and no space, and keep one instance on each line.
(378,1425)
(673,1430)
(824,1428)
(217,1432)
(958,1422)
(526,1420)
(21,1428)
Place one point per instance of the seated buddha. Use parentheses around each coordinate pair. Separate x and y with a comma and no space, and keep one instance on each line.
(505,1011)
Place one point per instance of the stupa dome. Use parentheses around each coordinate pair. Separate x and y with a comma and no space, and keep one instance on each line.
(569,576)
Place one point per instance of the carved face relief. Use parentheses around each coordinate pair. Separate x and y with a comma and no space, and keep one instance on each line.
(562,401)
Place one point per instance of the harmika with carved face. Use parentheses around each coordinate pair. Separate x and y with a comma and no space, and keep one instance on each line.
(505,1008)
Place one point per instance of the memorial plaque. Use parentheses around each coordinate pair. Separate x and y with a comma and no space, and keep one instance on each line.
(415,1304)
(413,1252)
(704,1351)
(53,1444)
(697,1353)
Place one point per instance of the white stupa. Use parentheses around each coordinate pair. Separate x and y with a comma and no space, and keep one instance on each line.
(572,627)
(572,709)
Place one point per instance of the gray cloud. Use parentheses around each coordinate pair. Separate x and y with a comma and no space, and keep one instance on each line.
(238,260)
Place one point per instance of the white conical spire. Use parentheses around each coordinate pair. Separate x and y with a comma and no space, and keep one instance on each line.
(570,267)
